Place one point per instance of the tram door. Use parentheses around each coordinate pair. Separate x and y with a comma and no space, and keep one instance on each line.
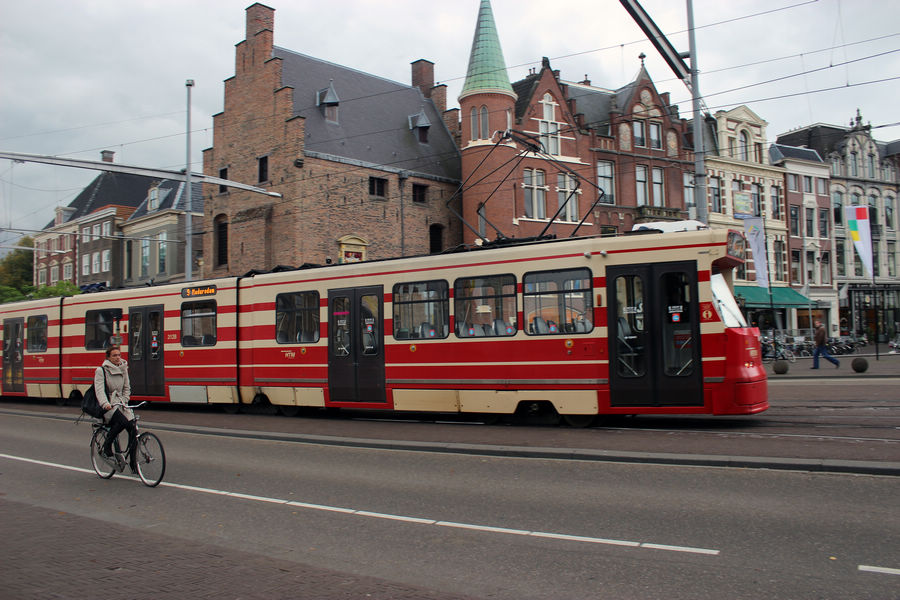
(356,344)
(654,335)
(145,350)
(13,355)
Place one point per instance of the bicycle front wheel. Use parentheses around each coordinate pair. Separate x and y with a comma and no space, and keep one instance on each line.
(102,467)
(789,355)
(150,459)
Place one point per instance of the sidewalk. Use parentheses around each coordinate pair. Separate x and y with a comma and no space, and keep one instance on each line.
(886,365)
(52,554)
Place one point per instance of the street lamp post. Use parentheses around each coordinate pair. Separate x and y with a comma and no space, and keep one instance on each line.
(188,233)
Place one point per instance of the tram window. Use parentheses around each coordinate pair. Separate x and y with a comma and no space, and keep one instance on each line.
(677,330)
(485,306)
(558,302)
(198,323)
(98,327)
(340,326)
(421,310)
(297,318)
(630,355)
(369,323)
(37,333)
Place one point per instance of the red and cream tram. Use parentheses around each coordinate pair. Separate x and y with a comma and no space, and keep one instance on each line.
(643,324)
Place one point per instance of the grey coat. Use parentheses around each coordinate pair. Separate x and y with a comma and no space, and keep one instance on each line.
(119,388)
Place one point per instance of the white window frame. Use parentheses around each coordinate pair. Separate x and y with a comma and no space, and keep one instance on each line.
(640,185)
(107,260)
(96,235)
(535,201)
(659,186)
(549,126)
(162,252)
(95,263)
(565,184)
(85,264)
(606,180)
(67,271)
(655,140)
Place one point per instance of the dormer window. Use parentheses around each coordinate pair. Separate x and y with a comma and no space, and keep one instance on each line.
(327,100)
(420,124)
(153,199)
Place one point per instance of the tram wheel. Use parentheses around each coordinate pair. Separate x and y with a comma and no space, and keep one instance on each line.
(579,421)
(288,410)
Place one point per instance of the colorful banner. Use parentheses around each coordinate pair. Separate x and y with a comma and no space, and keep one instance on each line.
(861,233)
(756,236)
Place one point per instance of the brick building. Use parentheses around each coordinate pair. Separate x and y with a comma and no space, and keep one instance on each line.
(864,172)
(365,166)
(571,140)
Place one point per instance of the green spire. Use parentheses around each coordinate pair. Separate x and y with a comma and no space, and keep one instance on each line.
(487,69)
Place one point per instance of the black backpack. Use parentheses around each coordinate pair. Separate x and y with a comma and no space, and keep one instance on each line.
(89,403)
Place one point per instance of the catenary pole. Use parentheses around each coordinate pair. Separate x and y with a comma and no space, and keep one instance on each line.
(188,233)
(699,163)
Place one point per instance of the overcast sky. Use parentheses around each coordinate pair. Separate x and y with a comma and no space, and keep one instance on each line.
(81,76)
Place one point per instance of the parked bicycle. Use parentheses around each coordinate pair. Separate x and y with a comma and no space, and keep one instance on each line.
(149,456)
(775,349)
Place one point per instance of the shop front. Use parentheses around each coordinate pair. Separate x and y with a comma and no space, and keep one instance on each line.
(776,308)
(867,309)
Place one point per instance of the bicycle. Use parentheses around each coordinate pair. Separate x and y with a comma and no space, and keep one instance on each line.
(149,456)
(776,350)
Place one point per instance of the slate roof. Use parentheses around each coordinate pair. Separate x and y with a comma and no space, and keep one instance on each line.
(373,126)
(779,152)
(824,139)
(172,196)
(109,188)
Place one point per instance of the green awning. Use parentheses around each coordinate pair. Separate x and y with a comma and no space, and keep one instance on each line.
(758,297)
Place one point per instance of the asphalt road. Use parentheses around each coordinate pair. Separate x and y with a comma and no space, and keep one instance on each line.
(469,525)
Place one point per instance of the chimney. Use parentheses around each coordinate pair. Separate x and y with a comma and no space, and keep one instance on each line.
(439,97)
(259,18)
(423,76)
(107,155)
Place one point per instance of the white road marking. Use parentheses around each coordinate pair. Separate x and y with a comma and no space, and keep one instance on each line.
(885,570)
(403,518)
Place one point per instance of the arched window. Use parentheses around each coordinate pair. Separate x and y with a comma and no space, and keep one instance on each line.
(745,146)
(221,240)
(485,130)
(473,123)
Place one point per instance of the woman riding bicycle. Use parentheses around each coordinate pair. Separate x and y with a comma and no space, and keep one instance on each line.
(112,377)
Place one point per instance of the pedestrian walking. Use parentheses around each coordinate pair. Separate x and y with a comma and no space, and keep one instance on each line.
(822,348)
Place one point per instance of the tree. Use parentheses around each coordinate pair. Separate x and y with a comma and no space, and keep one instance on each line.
(17,268)
(60,288)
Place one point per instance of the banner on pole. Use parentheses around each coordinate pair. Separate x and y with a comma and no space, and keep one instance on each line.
(861,232)
(756,236)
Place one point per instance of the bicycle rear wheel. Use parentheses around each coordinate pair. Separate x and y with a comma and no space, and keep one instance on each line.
(102,467)
(150,459)
(789,355)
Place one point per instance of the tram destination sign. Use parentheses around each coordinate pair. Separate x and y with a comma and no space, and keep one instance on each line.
(198,292)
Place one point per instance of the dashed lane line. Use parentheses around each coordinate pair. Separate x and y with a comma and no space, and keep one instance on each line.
(387,516)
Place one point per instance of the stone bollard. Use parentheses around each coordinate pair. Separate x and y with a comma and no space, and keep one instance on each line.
(780,367)
(860,364)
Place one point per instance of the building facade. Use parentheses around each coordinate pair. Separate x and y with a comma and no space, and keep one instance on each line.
(810,232)
(579,160)
(863,172)
(367,168)
(742,183)
(122,230)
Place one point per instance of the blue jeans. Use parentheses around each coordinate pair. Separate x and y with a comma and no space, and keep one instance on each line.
(823,352)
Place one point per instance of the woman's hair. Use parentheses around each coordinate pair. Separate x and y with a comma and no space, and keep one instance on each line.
(111,348)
